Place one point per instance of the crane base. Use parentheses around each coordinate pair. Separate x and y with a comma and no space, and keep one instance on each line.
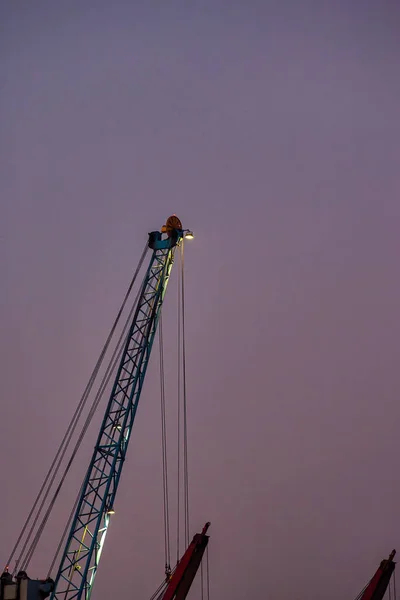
(23,588)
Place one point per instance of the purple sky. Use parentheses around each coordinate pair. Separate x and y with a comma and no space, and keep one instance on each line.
(272,129)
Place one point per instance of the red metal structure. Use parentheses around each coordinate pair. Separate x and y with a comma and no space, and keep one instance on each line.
(378,585)
(182,578)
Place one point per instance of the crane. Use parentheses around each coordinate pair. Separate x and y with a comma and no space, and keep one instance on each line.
(376,588)
(181,580)
(95,506)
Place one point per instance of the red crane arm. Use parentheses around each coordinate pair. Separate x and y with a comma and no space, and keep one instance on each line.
(377,587)
(185,572)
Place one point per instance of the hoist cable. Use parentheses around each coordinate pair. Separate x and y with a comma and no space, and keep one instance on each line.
(162,587)
(92,411)
(106,378)
(202,580)
(57,461)
(182,435)
(61,450)
(185,431)
(75,416)
(394,585)
(208,575)
(164,453)
(159,590)
(362,591)
(115,358)
(27,557)
(178,520)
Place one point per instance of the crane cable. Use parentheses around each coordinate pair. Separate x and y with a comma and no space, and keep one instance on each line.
(182,432)
(178,520)
(392,587)
(167,543)
(359,596)
(182,412)
(158,594)
(201,580)
(65,442)
(115,358)
(207,577)
(181,415)
(185,431)
(110,369)
(181,425)
(159,591)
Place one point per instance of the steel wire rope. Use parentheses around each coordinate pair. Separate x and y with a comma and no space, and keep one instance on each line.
(162,587)
(362,591)
(69,433)
(208,574)
(89,418)
(178,519)
(103,385)
(75,417)
(159,591)
(167,544)
(394,585)
(98,397)
(182,407)
(202,580)
(184,390)
(114,360)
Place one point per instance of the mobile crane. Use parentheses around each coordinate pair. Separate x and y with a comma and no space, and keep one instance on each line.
(80,560)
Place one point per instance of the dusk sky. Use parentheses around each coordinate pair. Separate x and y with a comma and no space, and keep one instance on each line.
(272,129)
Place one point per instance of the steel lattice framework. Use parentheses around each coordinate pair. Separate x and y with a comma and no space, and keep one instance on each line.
(83,549)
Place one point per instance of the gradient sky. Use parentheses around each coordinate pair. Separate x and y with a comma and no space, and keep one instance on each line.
(272,129)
